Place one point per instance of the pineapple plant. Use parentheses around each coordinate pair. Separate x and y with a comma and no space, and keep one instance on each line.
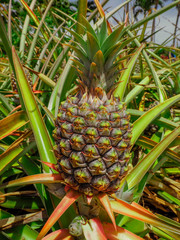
(93,131)
(92,144)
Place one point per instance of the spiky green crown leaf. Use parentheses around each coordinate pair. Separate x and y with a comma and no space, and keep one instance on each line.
(96,54)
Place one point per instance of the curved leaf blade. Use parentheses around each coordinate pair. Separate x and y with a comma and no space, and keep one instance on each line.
(141,123)
(13,152)
(120,90)
(39,129)
(126,209)
(33,179)
(59,234)
(93,229)
(65,203)
(136,90)
(144,165)
(121,233)
(11,123)
(150,144)
(104,199)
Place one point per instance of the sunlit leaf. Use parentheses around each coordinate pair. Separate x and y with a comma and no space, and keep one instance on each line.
(149,144)
(82,11)
(65,203)
(120,233)
(107,206)
(39,129)
(58,235)
(38,178)
(136,90)
(144,165)
(141,123)
(102,13)
(12,123)
(120,90)
(126,209)
(93,230)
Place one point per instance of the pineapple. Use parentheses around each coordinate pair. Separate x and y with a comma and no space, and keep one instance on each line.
(93,132)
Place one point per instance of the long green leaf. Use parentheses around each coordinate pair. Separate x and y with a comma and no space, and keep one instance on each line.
(39,129)
(6,103)
(161,91)
(144,165)
(31,168)
(142,122)
(149,144)
(12,123)
(161,122)
(8,158)
(40,28)
(132,211)
(24,30)
(82,10)
(5,41)
(136,90)
(120,90)
(14,153)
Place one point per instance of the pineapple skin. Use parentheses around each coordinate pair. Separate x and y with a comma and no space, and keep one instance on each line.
(93,141)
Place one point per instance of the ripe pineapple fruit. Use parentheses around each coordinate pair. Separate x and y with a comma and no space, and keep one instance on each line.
(92,131)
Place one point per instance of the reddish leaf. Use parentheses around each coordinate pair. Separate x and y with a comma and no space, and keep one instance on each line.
(138,213)
(12,123)
(50,165)
(30,12)
(121,233)
(107,205)
(102,13)
(33,179)
(89,199)
(59,235)
(93,230)
(65,203)
(136,205)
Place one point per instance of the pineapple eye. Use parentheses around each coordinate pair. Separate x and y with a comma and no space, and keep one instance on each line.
(77,142)
(77,159)
(104,128)
(110,157)
(104,124)
(72,111)
(116,133)
(82,175)
(103,145)
(97,167)
(66,166)
(101,183)
(91,135)
(79,122)
(90,153)
(92,115)
(66,130)
(102,108)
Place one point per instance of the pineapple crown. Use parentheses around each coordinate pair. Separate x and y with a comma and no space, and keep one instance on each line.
(95,54)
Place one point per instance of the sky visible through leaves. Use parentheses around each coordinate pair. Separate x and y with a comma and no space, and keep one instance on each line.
(166,20)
